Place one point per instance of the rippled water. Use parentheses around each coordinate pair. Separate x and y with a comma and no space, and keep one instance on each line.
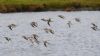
(73,34)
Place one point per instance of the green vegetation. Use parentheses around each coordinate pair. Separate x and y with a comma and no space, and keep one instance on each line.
(48,4)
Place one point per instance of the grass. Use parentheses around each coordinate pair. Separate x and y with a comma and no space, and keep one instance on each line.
(55,4)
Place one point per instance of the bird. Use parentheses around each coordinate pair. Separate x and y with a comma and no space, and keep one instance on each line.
(48,21)
(45,43)
(43,19)
(35,38)
(77,19)
(8,39)
(69,24)
(94,27)
(25,37)
(61,16)
(49,30)
(11,26)
(34,24)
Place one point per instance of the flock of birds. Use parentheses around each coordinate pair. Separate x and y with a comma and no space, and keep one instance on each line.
(34,37)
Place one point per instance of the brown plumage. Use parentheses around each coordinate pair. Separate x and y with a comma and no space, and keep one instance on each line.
(43,19)
(61,16)
(35,38)
(48,21)
(34,24)
(49,30)
(11,26)
(31,40)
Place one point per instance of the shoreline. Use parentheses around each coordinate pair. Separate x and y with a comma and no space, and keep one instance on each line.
(37,8)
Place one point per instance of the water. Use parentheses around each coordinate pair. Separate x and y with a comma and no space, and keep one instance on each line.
(77,40)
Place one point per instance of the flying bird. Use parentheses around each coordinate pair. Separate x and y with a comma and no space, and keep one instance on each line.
(77,19)
(45,43)
(61,16)
(25,37)
(49,30)
(8,39)
(35,37)
(48,21)
(34,24)
(11,26)
(69,23)
(94,27)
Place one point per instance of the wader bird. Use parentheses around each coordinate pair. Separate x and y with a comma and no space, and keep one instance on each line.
(48,21)
(11,26)
(34,24)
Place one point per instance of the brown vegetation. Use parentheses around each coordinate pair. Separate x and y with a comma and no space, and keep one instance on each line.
(17,8)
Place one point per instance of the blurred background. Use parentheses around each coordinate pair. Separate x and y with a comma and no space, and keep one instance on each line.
(42,5)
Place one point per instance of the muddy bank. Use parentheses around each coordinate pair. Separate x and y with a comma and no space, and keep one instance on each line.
(32,7)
